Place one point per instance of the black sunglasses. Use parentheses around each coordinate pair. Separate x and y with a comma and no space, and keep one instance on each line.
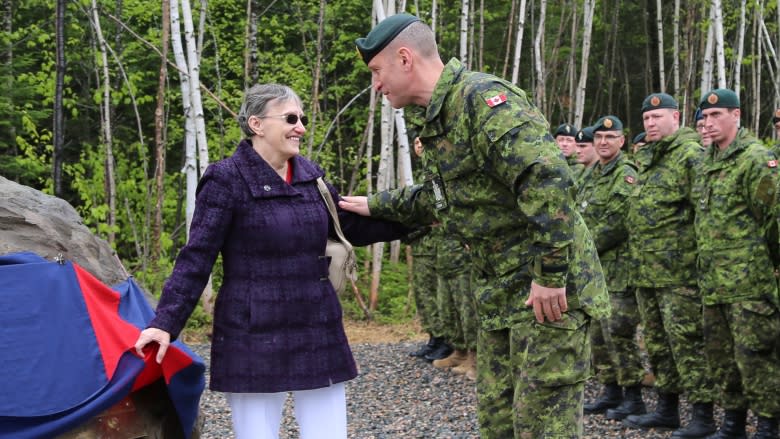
(291,118)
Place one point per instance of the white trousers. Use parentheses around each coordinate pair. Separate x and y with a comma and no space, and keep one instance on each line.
(321,413)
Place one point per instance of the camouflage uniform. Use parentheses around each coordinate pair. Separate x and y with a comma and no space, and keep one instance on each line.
(455,295)
(424,282)
(603,204)
(498,180)
(663,249)
(735,226)
(581,175)
(576,167)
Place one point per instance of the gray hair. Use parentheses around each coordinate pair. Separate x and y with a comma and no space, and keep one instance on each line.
(420,36)
(256,99)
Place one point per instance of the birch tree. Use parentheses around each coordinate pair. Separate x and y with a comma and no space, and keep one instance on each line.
(587,17)
(676,48)
(539,56)
(105,124)
(660,29)
(740,50)
(159,137)
(59,85)
(519,41)
(720,49)
(464,32)
(706,69)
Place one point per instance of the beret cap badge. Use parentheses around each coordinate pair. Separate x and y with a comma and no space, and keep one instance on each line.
(655,101)
(712,99)
(607,123)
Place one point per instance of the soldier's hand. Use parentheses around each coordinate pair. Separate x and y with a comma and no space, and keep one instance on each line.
(549,303)
(357,204)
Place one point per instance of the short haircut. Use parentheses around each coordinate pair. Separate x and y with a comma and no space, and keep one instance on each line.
(419,36)
(256,100)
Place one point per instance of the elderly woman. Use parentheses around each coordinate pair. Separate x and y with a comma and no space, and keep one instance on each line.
(277,321)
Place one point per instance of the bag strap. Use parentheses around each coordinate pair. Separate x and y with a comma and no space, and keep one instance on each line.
(332,209)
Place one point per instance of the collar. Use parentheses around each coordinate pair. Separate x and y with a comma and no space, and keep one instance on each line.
(263,181)
(450,75)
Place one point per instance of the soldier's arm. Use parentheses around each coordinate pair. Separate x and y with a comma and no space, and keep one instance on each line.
(410,205)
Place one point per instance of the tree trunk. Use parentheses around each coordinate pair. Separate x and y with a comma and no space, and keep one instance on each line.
(159,135)
(518,42)
(509,28)
(464,32)
(59,85)
(676,49)
(193,67)
(110,184)
(581,85)
(720,48)
(315,86)
(660,30)
(740,50)
(539,57)
(250,44)
(706,70)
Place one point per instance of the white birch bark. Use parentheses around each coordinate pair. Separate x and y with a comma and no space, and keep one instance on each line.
(660,29)
(572,62)
(740,50)
(190,143)
(464,33)
(110,184)
(539,56)
(579,105)
(720,49)
(193,67)
(706,68)
(519,41)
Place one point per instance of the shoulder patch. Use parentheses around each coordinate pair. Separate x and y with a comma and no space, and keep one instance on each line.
(772,163)
(629,179)
(495,100)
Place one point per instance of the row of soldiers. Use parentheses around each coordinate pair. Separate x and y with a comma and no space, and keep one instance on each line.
(685,224)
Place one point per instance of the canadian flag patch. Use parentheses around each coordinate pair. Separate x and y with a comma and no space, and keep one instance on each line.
(772,163)
(495,100)
(629,179)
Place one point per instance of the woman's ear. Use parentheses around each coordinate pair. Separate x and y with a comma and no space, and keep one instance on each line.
(256,124)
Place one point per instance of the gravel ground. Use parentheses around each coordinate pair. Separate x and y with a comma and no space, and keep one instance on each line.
(397,396)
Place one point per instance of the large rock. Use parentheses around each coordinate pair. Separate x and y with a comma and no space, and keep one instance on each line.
(33,221)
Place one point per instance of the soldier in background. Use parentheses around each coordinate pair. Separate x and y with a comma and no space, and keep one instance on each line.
(701,129)
(736,231)
(776,123)
(663,246)
(565,138)
(425,281)
(637,142)
(498,181)
(603,203)
(586,155)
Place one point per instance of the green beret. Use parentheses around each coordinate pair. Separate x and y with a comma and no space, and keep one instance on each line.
(585,135)
(382,34)
(659,100)
(639,138)
(719,98)
(776,117)
(608,123)
(565,129)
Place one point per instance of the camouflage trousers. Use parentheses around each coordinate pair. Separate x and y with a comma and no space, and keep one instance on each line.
(456,301)
(616,355)
(741,346)
(531,379)
(672,321)
(424,284)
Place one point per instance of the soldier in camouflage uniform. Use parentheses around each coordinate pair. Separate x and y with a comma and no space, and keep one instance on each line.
(701,129)
(565,138)
(586,155)
(776,123)
(603,204)
(498,181)
(736,231)
(457,305)
(663,247)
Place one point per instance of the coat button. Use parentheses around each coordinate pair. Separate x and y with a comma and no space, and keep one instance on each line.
(267,188)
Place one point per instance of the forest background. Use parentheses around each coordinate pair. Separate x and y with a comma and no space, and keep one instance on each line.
(118,106)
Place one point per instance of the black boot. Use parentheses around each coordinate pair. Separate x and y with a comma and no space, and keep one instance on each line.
(733,425)
(702,424)
(427,348)
(665,416)
(632,404)
(610,397)
(442,350)
(766,428)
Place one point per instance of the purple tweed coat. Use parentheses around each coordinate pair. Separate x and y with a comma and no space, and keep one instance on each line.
(277,320)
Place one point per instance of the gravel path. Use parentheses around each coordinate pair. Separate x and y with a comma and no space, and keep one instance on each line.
(397,396)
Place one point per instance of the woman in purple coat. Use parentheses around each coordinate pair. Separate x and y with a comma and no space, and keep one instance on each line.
(277,320)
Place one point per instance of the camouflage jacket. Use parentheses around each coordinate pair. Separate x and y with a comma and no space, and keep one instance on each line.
(603,204)
(497,180)
(581,175)
(736,223)
(660,215)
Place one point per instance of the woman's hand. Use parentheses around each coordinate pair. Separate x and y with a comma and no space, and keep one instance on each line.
(356,204)
(150,335)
